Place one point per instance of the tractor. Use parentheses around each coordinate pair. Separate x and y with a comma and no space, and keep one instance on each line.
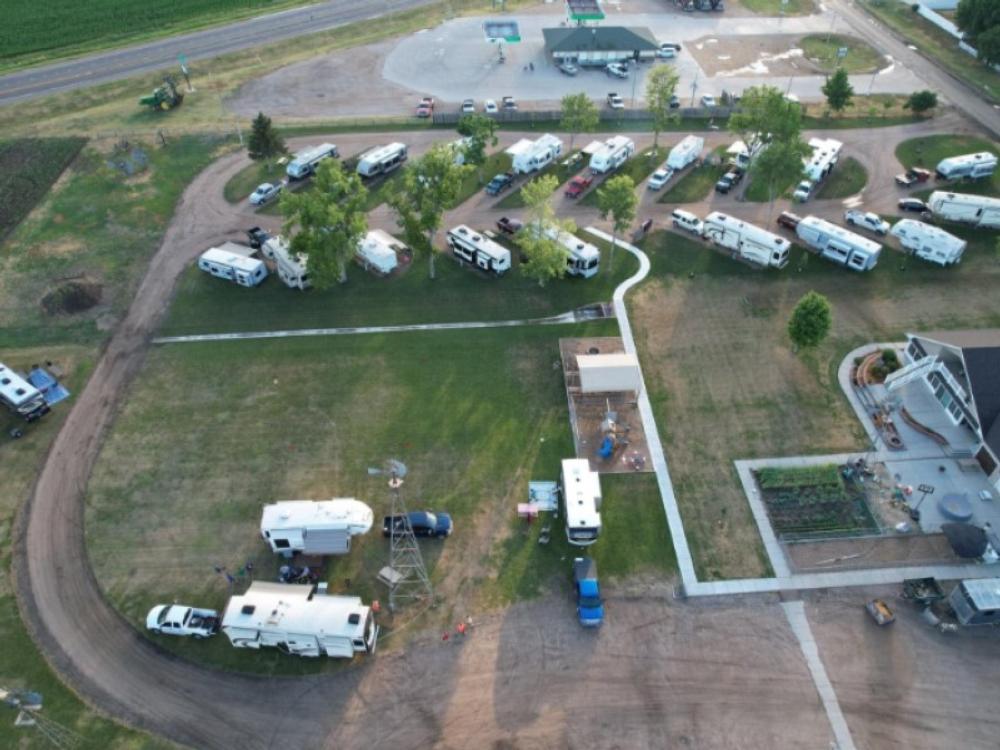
(164,97)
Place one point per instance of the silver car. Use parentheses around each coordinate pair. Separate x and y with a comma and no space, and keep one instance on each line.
(264,193)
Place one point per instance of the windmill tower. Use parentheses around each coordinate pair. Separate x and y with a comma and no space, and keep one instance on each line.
(28,705)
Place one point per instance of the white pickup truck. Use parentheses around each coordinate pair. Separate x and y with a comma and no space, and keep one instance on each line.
(867,220)
(176,619)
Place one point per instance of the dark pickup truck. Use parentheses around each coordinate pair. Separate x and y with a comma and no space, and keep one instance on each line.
(507,225)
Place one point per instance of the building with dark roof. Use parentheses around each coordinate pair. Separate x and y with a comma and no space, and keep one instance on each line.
(600,45)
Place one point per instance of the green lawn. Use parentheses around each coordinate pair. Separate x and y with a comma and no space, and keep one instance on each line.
(822,49)
(639,167)
(926,152)
(563,169)
(245,181)
(776,7)
(847,178)
(696,184)
(497,163)
(757,191)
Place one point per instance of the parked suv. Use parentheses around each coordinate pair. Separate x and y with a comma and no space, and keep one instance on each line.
(423,523)
(499,183)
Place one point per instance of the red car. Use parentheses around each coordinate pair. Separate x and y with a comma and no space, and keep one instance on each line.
(912,176)
(425,108)
(578,185)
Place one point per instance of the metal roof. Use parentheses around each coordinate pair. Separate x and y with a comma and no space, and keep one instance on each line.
(585,10)
(600,39)
(984,593)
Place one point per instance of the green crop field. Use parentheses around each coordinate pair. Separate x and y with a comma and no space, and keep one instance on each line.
(28,167)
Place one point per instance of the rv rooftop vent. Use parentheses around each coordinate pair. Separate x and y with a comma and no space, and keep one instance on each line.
(248,609)
(354,618)
(5,381)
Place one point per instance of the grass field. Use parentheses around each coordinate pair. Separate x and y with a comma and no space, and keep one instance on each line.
(28,168)
(757,191)
(776,7)
(822,49)
(303,418)
(926,152)
(639,167)
(245,181)
(563,169)
(696,184)
(725,384)
(847,178)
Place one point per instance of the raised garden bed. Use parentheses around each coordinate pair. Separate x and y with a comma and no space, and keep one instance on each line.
(815,501)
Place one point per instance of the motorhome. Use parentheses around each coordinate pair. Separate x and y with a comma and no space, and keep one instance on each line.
(381,159)
(21,397)
(837,244)
(378,251)
(967,166)
(583,259)
(978,210)
(928,242)
(685,152)
(300,620)
(472,247)
(612,154)
(977,601)
(291,267)
(314,527)
(747,241)
(304,162)
(529,156)
(825,153)
(232,262)
(581,493)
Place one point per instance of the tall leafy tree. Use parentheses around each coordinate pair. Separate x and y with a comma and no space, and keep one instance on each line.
(579,115)
(838,90)
(988,46)
(975,17)
(481,132)
(779,166)
(616,199)
(921,101)
(810,321)
(429,185)
(327,221)
(661,84)
(765,116)
(546,257)
(264,142)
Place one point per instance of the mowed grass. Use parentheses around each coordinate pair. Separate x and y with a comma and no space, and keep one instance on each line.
(725,384)
(847,178)
(476,177)
(696,183)
(244,182)
(776,7)
(28,168)
(927,151)
(639,167)
(563,169)
(212,432)
(758,191)
(823,49)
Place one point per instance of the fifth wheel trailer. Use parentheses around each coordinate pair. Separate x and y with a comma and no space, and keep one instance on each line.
(839,245)
(929,243)
(314,527)
(978,210)
(378,251)
(529,156)
(747,241)
(20,396)
(581,492)
(685,152)
(612,154)
(825,153)
(300,620)
(583,259)
(292,267)
(968,166)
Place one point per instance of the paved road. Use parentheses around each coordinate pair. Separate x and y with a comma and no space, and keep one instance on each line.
(121,63)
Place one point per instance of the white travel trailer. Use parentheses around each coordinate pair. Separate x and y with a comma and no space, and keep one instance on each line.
(826,152)
(529,156)
(685,152)
(472,247)
(232,262)
(978,210)
(581,492)
(583,259)
(747,241)
(928,242)
(291,266)
(312,527)
(304,163)
(839,245)
(458,149)
(612,154)
(967,166)
(381,159)
(378,250)
(300,620)
(20,396)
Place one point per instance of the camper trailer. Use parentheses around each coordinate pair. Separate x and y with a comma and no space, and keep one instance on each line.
(967,166)
(583,259)
(929,243)
(381,160)
(740,155)
(458,148)
(304,163)
(314,527)
(685,152)
(291,267)
(472,247)
(825,153)
(377,252)
(978,210)
(529,156)
(300,620)
(612,154)
(839,245)
(747,241)
(976,602)
(232,262)
(20,397)
(581,492)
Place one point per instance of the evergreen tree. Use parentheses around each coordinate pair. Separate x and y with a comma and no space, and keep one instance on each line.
(265,142)
(838,90)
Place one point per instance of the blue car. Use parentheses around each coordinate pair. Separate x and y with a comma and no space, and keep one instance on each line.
(589,606)
(424,523)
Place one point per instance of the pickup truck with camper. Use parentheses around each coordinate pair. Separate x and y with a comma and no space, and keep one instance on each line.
(579,185)
(867,220)
(589,605)
(304,163)
(176,619)
(499,183)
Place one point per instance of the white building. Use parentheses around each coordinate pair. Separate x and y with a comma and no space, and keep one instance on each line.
(747,241)
(530,156)
(685,152)
(314,527)
(977,210)
(232,262)
(612,154)
(581,491)
(826,152)
(928,242)
(837,244)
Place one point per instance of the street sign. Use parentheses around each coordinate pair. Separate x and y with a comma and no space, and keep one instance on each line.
(926,488)
(842,52)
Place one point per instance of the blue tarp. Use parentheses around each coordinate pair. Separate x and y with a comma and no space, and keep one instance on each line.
(51,389)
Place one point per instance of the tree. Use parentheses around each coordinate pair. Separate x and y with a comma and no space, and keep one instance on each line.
(481,132)
(779,166)
(838,90)
(327,222)
(765,116)
(921,101)
(810,321)
(617,199)
(988,46)
(429,186)
(546,257)
(661,83)
(579,115)
(265,142)
(976,17)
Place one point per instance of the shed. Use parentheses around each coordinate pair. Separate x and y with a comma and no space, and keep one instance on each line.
(600,45)
(604,373)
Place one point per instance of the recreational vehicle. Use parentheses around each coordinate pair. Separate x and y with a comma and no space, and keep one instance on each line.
(612,154)
(978,210)
(685,152)
(314,527)
(583,259)
(839,245)
(967,166)
(825,153)
(740,155)
(378,250)
(304,163)
(381,160)
(232,262)
(291,266)
(581,492)
(529,156)
(472,247)
(20,396)
(458,148)
(928,242)
(300,620)
(976,602)
(747,241)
